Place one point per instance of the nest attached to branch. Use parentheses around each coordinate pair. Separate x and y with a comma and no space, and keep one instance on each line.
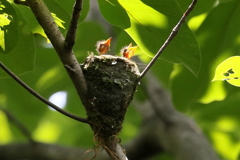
(111,82)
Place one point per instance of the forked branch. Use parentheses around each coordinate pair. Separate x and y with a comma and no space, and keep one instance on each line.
(170,38)
(45,19)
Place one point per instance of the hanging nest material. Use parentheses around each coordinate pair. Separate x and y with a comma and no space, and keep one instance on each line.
(111,82)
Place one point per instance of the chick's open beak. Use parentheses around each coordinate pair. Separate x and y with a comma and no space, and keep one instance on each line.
(128,51)
(103,46)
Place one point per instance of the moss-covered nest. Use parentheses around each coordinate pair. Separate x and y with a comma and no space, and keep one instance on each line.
(111,82)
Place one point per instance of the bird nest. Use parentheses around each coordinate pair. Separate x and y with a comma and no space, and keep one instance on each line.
(111,82)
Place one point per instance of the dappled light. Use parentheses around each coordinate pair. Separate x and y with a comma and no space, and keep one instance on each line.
(49,78)
(5,133)
(47,131)
(195,22)
(215,92)
(59,98)
(226,145)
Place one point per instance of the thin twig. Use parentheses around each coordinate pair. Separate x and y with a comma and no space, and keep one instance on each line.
(170,38)
(21,2)
(34,93)
(71,34)
(19,125)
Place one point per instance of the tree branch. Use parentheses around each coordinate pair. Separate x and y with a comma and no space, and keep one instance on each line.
(67,57)
(63,47)
(39,151)
(38,96)
(170,38)
(71,34)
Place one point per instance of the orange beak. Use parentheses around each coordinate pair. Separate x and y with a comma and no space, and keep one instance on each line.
(103,46)
(128,51)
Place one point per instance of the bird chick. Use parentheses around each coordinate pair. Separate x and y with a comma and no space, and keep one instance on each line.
(128,51)
(103,46)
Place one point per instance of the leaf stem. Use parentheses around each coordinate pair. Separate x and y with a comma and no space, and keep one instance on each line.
(169,39)
(38,96)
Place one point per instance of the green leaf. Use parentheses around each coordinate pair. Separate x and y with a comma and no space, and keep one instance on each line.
(218,37)
(30,23)
(229,70)
(8,27)
(58,21)
(151,28)
(21,58)
(200,8)
(63,10)
(151,23)
(114,13)
(214,110)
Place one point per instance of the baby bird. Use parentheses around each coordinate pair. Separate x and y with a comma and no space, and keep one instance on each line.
(103,46)
(128,51)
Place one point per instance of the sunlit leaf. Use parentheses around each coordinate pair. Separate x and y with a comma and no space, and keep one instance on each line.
(218,37)
(58,21)
(63,9)
(31,25)
(53,132)
(21,58)
(229,70)
(151,23)
(5,134)
(4,21)
(201,7)
(61,12)
(8,27)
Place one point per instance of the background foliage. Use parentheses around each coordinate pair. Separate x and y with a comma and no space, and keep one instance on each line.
(186,67)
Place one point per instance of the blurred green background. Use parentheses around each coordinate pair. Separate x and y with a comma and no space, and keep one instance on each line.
(186,67)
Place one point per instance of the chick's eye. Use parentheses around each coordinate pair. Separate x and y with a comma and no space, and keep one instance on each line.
(101,46)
